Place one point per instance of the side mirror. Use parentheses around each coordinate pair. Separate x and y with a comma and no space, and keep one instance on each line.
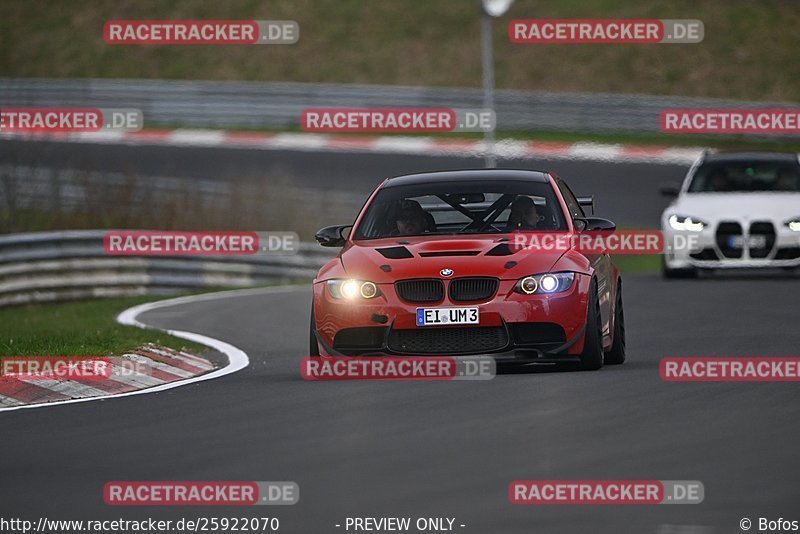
(670,190)
(584,224)
(332,236)
(587,202)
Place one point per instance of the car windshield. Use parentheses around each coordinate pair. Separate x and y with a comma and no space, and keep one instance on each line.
(746,176)
(461,208)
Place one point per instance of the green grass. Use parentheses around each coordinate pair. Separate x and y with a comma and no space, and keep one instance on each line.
(82,328)
(642,263)
(750,49)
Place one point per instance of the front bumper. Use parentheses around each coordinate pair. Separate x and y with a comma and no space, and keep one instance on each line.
(511,352)
(732,244)
(513,328)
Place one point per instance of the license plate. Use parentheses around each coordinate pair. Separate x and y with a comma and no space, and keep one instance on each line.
(753,241)
(439,316)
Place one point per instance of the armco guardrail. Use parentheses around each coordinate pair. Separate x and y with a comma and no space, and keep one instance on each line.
(218,104)
(47,266)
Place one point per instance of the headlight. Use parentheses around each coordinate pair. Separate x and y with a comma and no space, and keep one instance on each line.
(352,289)
(793,224)
(544,283)
(528,285)
(680,222)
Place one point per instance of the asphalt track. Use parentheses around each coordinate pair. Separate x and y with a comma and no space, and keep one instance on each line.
(625,192)
(444,449)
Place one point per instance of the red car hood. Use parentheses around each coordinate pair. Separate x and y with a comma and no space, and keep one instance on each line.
(425,256)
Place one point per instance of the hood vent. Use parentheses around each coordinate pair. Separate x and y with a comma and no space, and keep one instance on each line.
(395,253)
(502,250)
(449,253)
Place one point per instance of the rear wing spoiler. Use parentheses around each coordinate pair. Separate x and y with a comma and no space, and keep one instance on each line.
(587,202)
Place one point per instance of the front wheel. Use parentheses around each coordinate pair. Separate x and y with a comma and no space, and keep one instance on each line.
(616,355)
(592,355)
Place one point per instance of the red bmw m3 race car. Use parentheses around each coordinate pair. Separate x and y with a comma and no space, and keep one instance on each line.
(434,265)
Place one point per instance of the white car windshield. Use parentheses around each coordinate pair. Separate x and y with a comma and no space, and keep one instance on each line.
(746,176)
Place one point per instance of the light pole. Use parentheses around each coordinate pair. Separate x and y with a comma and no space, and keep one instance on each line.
(491,8)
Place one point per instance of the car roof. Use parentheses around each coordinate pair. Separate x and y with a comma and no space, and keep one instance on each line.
(476,175)
(722,157)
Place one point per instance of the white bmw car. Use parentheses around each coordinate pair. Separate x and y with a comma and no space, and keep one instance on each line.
(734,210)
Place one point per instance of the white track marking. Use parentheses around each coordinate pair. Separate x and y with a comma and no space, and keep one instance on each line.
(408,145)
(196,137)
(299,141)
(511,148)
(595,151)
(315,142)
(237,358)
(105,136)
(682,155)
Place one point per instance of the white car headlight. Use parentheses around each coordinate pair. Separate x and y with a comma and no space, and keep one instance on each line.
(793,224)
(352,289)
(686,222)
(544,283)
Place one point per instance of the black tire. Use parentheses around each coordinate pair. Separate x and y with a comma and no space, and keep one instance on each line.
(616,355)
(313,349)
(592,355)
(666,272)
